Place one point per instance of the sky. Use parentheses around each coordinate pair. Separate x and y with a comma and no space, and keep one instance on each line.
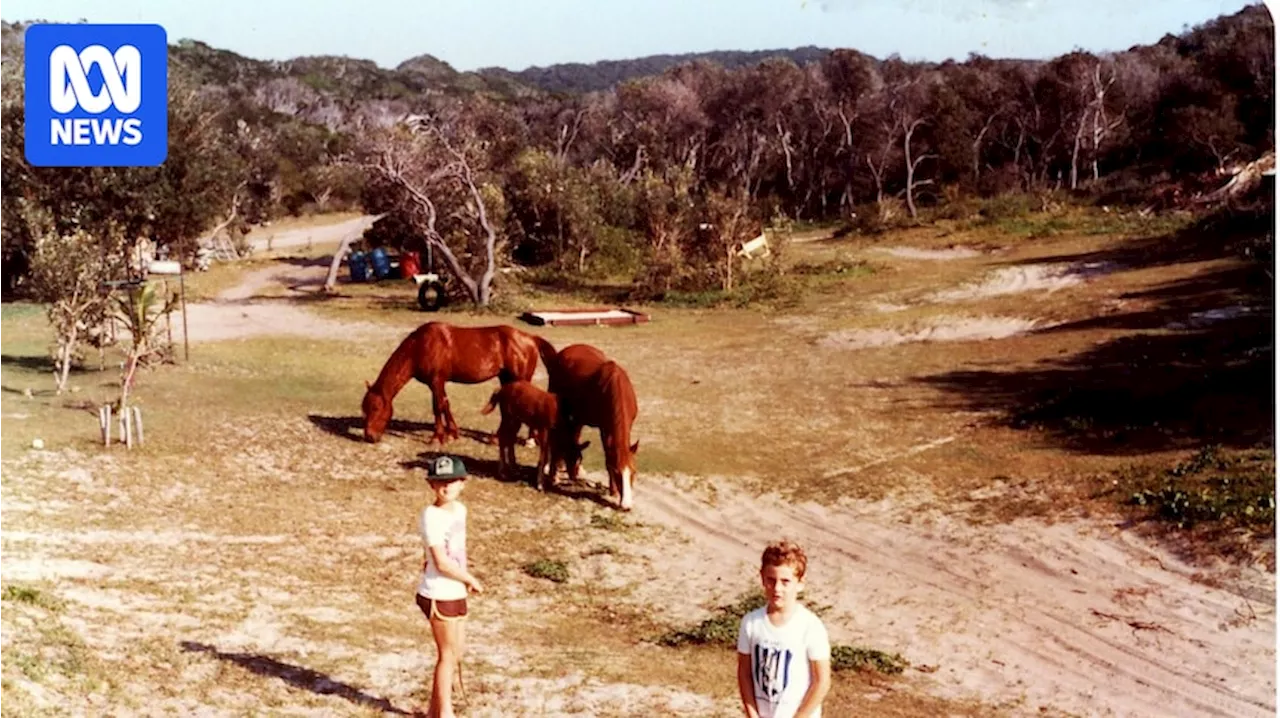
(516,34)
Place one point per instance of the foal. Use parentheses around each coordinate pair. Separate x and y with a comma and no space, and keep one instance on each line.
(522,403)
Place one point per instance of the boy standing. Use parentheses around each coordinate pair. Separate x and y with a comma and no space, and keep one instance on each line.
(445,581)
(784,655)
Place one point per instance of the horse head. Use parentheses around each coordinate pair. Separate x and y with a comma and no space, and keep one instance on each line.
(620,461)
(573,458)
(377,412)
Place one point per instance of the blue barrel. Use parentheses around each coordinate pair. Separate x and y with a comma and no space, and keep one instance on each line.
(359,266)
(381,262)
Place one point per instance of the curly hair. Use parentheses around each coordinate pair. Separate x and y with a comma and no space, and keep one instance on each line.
(785,553)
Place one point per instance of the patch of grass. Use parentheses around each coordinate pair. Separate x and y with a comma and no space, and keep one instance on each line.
(840,266)
(47,651)
(600,551)
(608,522)
(721,629)
(856,658)
(1007,206)
(1211,486)
(1036,226)
(765,287)
(30,595)
(21,310)
(557,571)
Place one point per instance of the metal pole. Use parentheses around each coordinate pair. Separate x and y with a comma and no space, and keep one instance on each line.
(186,339)
(168,318)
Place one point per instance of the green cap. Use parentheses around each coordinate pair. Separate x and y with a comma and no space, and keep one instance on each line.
(446,467)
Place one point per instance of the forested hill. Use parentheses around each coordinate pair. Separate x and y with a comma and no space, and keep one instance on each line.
(577,77)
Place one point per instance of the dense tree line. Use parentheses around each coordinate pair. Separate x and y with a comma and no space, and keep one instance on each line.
(580,77)
(663,175)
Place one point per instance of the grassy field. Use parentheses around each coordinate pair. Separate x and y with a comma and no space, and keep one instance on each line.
(254,556)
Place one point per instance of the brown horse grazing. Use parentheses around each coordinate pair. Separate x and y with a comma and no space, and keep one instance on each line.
(595,391)
(564,373)
(436,353)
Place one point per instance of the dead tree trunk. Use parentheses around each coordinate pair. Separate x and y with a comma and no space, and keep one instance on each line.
(331,279)
(912,165)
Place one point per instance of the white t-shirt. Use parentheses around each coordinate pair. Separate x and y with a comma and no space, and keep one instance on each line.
(448,528)
(780,658)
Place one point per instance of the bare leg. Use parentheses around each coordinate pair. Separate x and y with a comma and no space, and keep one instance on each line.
(449,638)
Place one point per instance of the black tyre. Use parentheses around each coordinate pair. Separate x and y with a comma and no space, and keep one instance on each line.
(431,296)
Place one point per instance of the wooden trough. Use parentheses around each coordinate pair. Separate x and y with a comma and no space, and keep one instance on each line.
(580,317)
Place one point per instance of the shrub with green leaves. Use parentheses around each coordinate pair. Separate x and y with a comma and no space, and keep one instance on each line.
(1210,486)
(854,658)
(556,571)
(721,629)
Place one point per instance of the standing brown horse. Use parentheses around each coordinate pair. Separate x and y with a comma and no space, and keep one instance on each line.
(523,403)
(436,353)
(594,391)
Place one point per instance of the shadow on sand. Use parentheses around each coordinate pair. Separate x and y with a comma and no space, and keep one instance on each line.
(297,676)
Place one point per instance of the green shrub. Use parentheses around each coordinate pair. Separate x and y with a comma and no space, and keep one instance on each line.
(1210,486)
(854,658)
(556,571)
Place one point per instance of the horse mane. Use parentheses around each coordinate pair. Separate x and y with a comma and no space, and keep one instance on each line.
(612,380)
(398,369)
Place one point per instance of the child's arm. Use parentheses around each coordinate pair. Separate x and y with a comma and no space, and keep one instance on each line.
(818,651)
(447,568)
(746,690)
(819,684)
(745,681)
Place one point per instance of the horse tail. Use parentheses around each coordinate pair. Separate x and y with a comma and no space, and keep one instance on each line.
(493,403)
(545,350)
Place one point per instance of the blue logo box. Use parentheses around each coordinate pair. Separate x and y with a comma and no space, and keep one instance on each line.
(97,95)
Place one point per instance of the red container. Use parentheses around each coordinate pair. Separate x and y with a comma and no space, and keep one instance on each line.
(409,265)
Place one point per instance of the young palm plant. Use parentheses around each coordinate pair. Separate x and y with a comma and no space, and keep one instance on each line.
(140,308)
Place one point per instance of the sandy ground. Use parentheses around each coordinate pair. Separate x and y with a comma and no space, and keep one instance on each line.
(934,329)
(239,311)
(268,238)
(1075,616)
(1027,278)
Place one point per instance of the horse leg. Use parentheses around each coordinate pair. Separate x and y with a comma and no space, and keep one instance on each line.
(503,438)
(509,446)
(543,451)
(451,426)
(554,447)
(611,465)
(572,471)
(440,408)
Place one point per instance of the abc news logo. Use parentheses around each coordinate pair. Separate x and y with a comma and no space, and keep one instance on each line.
(121,89)
(96,95)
